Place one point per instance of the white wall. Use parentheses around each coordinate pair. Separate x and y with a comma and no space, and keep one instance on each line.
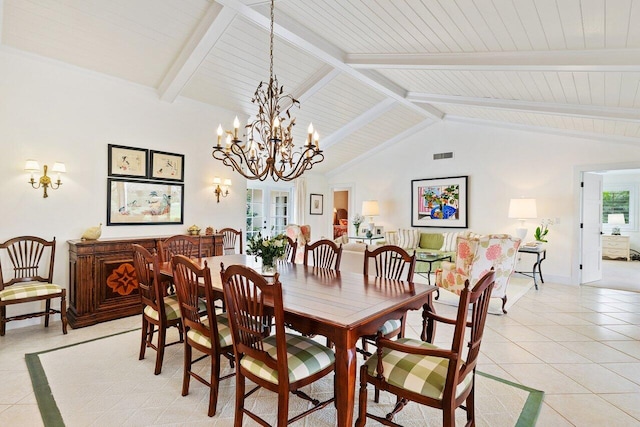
(53,112)
(501,164)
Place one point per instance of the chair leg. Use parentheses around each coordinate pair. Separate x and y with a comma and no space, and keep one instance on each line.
(471,407)
(143,339)
(214,383)
(449,416)
(504,302)
(362,401)
(63,311)
(47,308)
(283,409)
(186,375)
(239,398)
(3,321)
(162,337)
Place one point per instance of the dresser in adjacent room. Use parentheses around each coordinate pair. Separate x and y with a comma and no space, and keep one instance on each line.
(616,247)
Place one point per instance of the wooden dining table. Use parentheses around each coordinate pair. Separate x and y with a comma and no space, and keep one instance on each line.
(342,306)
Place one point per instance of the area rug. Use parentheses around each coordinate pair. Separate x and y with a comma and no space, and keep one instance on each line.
(518,287)
(102,382)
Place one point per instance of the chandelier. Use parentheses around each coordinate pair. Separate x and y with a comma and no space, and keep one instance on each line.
(269,149)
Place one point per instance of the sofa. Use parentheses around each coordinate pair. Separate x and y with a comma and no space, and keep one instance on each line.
(424,243)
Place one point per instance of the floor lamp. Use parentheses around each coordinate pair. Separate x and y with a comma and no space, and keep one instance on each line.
(522,209)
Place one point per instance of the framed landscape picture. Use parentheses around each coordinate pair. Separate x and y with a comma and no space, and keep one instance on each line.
(144,202)
(167,166)
(439,202)
(316,204)
(127,161)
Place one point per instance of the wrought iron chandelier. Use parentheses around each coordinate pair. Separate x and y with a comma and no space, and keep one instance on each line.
(269,149)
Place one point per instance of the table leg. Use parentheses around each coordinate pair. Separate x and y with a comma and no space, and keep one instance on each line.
(345,378)
(428,325)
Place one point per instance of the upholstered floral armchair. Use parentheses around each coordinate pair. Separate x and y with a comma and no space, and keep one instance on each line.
(301,234)
(477,255)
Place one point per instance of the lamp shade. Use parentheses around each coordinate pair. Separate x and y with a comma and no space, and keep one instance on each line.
(523,208)
(59,167)
(31,165)
(370,208)
(616,219)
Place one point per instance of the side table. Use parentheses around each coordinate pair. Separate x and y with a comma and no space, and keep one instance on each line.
(541,254)
(370,239)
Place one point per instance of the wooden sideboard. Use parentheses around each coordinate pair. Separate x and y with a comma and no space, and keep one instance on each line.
(102,282)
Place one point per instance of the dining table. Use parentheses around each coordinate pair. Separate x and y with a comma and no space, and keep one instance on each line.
(342,306)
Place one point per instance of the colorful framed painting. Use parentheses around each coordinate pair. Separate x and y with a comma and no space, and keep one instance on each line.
(128,161)
(439,202)
(316,206)
(144,202)
(167,166)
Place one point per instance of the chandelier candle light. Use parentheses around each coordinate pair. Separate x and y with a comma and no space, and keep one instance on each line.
(269,150)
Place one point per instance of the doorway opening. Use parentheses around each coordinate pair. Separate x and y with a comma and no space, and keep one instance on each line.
(342,202)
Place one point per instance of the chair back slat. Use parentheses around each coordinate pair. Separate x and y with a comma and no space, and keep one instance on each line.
(290,250)
(31,258)
(324,254)
(390,262)
(231,238)
(188,246)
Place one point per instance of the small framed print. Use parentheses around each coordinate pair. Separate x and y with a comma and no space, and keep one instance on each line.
(128,161)
(316,204)
(167,166)
(378,231)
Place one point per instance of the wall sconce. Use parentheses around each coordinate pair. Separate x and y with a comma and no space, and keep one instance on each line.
(224,191)
(45,181)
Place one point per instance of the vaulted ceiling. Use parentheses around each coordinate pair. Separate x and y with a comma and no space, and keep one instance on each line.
(367,72)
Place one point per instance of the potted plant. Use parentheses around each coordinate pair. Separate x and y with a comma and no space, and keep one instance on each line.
(269,249)
(542,230)
(357,220)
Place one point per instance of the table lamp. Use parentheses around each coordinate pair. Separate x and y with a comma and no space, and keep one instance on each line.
(370,208)
(616,220)
(522,209)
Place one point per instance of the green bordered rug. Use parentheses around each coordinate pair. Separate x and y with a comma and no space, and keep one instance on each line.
(121,350)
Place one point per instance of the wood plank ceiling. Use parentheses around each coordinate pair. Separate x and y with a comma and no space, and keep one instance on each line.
(367,72)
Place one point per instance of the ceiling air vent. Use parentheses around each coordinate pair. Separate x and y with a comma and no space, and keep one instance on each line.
(440,156)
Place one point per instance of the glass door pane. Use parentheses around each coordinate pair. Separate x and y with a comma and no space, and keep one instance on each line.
(255,211)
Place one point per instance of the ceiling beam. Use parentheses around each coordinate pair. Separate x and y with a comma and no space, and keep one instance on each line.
(317,81)
(210,28)
(571,60)
(304,39)
(362,120)
(573,110)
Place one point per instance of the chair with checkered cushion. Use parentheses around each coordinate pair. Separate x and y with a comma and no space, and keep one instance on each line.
(159,312)
(282,362)
(26,274)
(390,262)
(188,246)
(442,378)
(208,334)
(324,253)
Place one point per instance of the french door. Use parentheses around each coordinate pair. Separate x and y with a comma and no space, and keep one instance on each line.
(269,210)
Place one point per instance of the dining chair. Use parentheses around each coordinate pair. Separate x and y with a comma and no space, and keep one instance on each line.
(188,246)
(208,334)
(323,253)
(290,250)
(424,373)
(31,261)
(231,241)
(281,362)
(390,262)
(159,312)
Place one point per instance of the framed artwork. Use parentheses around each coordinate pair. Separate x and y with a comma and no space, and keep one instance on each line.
(378,230)
(166,166)
(316,204)
(128,161)
(144,202)
(439,202)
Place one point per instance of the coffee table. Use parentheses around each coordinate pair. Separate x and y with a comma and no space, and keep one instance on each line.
(430,259)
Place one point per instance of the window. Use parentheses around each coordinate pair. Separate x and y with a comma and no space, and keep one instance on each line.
(619,199)
(255,217)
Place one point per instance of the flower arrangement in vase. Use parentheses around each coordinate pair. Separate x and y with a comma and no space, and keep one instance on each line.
(269,249)
(357,220)
(542,230)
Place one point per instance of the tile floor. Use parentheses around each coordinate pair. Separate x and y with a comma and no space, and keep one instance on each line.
(580,345)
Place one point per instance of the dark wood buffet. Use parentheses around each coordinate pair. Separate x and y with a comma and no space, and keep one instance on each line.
(102,283)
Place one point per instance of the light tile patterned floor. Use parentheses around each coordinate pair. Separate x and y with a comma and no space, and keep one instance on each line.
(580,345)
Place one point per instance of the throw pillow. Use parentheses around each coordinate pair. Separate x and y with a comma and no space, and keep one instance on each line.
(391,238)
(450,241)
(408,239)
